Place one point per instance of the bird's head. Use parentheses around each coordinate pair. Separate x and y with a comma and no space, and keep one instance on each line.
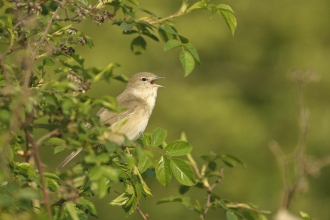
(143,84)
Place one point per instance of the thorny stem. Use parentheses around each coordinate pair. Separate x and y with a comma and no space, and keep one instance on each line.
(143,215)
(209,192)
(40,170)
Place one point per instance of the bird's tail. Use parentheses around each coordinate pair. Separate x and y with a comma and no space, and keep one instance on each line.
(69,158)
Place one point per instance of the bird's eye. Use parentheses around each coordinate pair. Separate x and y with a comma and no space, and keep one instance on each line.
(144,79)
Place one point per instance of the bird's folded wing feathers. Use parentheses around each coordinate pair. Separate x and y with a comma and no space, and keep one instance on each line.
(107,117)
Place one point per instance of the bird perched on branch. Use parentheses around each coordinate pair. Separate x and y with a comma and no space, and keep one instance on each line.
(138,99)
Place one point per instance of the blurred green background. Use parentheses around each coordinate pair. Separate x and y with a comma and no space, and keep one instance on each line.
(238,100)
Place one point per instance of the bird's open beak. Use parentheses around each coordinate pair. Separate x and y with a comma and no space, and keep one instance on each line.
(156,85)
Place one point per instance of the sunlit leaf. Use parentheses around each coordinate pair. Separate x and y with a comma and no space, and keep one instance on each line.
(58,149)
(158,137)
(102,187)
(187,61)
(87,205)
(70,207)
(177,148)
(231,215)
(229,19)
(168,29)
(225,7)
(172,44)
(95,173)
(193,51)
(144,163)
(110,173)
(170,199)
(305,216)
(163,171)
(182,172)
(120,200)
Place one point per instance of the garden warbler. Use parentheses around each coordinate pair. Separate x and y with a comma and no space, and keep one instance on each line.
(138,99)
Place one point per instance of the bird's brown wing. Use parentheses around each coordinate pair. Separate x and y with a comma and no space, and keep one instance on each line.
(127,101)
(108,117)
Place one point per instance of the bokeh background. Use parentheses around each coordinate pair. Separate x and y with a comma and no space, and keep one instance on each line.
(236,102)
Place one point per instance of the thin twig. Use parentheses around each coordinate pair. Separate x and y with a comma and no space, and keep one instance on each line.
(209,192)
(194,165)
(40,170)
(143,215)
(46,136)
(41,41)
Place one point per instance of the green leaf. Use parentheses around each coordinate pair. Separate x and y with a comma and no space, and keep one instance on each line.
(110,173)
(107,71)
(144,163)
(135,2)
(102,187)
(182,172)
(58,149)
(163,171)
(177,148)
(164,35)
(230,160)
(84,2)
(126,26)
(231,216)
(51,176)
(171,44)
(90,158)
(168,29)
(52,184)
(150,35)
(229,19)
(214,11)
(89,42)
(88,205)
(70,207)
(48,62)
(170,199)
(102,158)
(225,7)
(138,45)
(148,12)
(95,173)
(111,147)
(10,22)
(192,51)
(55,141)
(183,189)
(187,61)
(197,5)
(305,216)
(158,137)
(120,200)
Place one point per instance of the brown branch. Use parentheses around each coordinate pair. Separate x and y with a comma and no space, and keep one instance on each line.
(145,216)
(209,192)
(41,41)
(290,187)
(40,170)
(194,165)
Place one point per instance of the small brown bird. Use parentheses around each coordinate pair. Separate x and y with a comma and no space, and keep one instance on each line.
(138,99)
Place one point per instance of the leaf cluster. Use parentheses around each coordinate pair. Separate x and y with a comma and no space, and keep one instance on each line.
(42,90)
